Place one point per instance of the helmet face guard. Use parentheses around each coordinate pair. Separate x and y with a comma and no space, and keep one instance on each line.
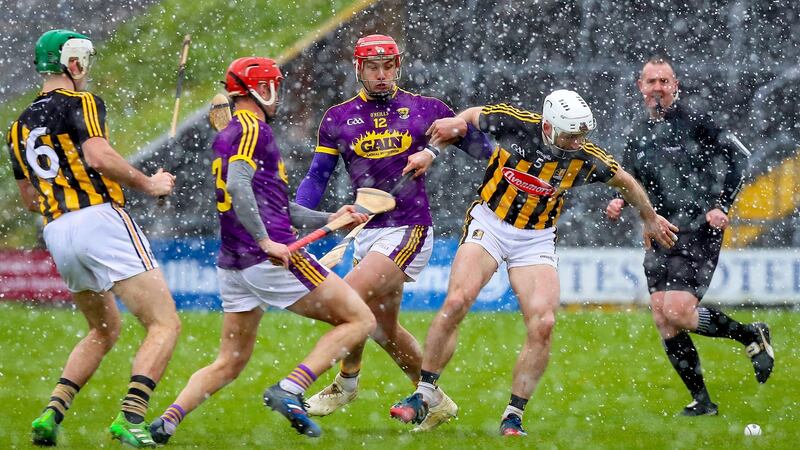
(55,50)
(81,50)
(244,75)
(568,114)
(376,47)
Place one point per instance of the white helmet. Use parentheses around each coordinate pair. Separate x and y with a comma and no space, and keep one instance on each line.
(566,112)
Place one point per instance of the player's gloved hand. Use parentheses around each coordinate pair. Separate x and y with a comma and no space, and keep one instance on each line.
(161,183)
(614,209)
(661,230)
(717,219)
(278,253)
(356,217)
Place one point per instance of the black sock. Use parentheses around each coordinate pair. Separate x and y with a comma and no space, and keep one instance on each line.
(518,402)
(684,358)
(715,323)
(428,377)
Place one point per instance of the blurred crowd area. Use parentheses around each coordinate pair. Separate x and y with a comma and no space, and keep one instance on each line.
(23,21)
(736,60)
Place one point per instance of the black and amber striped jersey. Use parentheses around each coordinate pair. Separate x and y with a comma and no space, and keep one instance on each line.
(525,181)
(45,146)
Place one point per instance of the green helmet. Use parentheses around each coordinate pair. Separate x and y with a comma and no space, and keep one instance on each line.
(51,56)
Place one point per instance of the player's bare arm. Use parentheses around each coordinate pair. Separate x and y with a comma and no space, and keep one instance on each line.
(30,198)
(655,226)
(471,115)
(103,158)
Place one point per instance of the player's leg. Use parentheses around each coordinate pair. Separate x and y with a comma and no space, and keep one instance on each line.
(659,267)
(538,291)
(472,268)
(388,258)
(239,331)
(147,297)
(695,277)
(336,303)
(103,318)
(379,282)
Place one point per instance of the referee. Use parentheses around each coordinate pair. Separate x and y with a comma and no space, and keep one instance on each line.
(692,171)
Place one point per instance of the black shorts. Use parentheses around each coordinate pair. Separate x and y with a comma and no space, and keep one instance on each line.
(688,266)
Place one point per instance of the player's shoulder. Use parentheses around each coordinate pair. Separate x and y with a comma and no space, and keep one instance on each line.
(340,107)
(83,98)
(402,93)
(513,112)
(594,151)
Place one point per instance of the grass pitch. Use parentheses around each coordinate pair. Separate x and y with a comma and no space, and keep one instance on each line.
(609,385)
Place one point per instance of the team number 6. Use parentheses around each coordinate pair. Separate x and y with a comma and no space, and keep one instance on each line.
(32,154)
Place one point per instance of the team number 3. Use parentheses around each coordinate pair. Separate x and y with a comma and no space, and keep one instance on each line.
(216,170)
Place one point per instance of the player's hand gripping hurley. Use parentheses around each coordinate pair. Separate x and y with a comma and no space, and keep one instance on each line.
(335,255)
(368,201)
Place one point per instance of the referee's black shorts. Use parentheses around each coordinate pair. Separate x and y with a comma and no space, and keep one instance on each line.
(688,265)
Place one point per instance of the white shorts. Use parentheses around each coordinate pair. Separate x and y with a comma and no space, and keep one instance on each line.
(267,284)
(505,242)
(97,246)
(409,246)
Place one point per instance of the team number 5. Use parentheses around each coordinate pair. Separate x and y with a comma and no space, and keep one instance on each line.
(216,170)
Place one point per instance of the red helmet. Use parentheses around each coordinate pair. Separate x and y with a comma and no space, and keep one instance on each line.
(245,74)
(375,46)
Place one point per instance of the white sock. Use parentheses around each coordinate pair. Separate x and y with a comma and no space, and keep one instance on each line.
(291,387)
(348,384)
(430,393)
(512,410)
(169,427)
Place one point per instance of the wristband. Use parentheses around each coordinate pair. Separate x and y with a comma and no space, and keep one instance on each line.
(432,150)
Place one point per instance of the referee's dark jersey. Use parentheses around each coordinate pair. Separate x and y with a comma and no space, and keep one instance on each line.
(45,146)
(686,164)
(525,182)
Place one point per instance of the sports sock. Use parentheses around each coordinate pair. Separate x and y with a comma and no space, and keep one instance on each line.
(428,377)
(430,394)
(684,358)
(348,381)
(135,403)
(715,323)
(172,417)
(299,380)
(518,402)
(61,398)
(513,410)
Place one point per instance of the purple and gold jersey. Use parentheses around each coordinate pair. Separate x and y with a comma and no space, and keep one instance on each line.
(375,139)
(248,139)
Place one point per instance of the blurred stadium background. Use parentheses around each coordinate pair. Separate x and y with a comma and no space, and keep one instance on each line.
(735,59)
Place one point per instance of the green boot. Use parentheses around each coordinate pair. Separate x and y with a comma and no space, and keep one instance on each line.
(133,434)
(44,429)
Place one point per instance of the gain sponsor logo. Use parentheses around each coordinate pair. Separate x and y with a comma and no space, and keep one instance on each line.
(374,145)
(355,121)
(528,183)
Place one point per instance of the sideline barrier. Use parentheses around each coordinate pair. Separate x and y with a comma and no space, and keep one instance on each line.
(587,275)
